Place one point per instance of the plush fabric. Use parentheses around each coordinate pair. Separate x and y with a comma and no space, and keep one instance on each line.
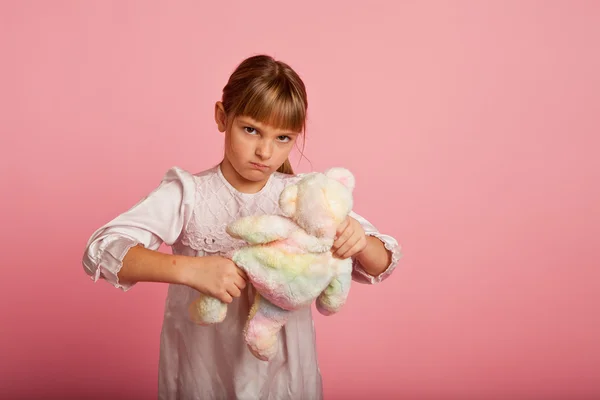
(288,258)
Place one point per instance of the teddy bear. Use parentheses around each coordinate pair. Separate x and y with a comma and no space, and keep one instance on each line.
(288,259)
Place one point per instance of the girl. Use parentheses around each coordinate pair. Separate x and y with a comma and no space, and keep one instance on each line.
(262,115)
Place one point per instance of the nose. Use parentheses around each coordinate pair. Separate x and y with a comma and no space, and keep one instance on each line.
(264,150)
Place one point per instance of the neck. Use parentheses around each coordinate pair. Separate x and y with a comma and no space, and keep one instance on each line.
(236,180)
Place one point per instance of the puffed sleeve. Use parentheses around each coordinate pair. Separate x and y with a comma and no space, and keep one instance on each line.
(358,273)
(158,218)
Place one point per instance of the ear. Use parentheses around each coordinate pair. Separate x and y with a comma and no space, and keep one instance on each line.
(220,117)
(287,200)
(342,175)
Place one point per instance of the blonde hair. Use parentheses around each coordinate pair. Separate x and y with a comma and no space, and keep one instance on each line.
(268,91)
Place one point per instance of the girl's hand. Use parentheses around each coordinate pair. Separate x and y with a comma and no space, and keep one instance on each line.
(350,239)
(216,276)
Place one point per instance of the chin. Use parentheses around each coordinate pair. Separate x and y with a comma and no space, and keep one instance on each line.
(254,175)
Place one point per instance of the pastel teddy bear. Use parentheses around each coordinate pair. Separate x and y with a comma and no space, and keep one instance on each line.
(289,260)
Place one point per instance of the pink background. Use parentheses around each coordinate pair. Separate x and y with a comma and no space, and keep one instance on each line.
(472,128)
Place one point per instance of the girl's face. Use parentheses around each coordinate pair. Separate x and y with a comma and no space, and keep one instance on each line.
(254,150)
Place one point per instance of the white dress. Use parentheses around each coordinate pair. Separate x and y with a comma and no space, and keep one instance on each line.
(189,212)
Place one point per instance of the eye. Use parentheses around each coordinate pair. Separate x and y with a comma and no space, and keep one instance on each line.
(284,138)
(250,130)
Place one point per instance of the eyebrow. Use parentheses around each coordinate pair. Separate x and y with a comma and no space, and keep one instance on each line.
(260,128)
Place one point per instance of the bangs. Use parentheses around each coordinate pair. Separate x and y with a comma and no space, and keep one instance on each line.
(277,105)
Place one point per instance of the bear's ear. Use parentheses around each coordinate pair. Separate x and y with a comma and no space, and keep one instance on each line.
(342,175)
(287,200)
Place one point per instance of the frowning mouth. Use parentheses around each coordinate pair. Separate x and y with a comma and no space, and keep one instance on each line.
(259,166)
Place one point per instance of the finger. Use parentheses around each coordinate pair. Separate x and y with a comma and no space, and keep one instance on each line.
(358,246)
(239,282)
(341,227)
(342,238)
(347,246)
(242,274)
(351,241)
(225,297)
(350,252)
(234,291)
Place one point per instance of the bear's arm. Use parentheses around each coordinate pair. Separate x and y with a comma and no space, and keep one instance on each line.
(310,243)
(260,229)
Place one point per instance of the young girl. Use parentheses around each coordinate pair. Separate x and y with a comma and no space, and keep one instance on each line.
(262,115)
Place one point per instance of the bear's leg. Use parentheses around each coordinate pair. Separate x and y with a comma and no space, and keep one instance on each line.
(334,296)
(263,325)
(206,310)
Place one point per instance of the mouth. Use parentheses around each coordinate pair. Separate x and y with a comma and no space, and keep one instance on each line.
(259,166)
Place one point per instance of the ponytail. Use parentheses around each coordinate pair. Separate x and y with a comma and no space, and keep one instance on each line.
(286,168)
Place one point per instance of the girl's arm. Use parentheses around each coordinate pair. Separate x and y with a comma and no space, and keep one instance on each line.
(216,276)
(379,258)
(374,258)
(144,265)
(158,218)
(125,251)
